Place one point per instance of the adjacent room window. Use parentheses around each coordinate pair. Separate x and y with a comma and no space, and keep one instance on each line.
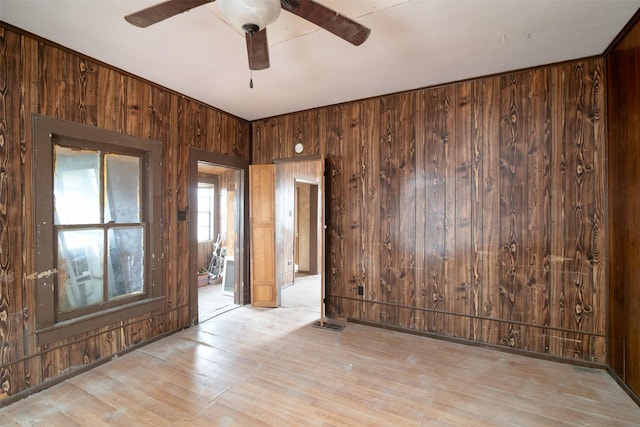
(206,212)
(97,207)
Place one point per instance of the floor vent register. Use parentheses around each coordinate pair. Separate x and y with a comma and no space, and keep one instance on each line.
(327,325)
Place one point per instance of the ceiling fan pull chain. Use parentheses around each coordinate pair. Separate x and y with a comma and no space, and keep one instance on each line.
(250,58)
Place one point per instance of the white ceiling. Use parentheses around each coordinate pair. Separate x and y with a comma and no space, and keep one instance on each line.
(413,44)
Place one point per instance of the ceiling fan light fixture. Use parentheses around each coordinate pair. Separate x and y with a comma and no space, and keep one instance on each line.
(249,14)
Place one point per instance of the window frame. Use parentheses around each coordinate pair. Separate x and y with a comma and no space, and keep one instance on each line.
(46,130)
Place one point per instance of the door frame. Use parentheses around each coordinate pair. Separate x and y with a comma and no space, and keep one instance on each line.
(241,253)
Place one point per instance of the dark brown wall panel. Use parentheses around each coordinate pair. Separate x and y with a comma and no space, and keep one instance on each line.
(624,205)
(41,78)
(11,271)
(473,210)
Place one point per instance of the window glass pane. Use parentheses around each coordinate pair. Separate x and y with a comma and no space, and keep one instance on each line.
(125,261)
(80,267)
(204,221)
(122,176)
(204,197)
(205,212)
(203,234)
(76,188)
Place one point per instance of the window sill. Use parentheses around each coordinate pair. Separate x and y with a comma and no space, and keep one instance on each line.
(70,328)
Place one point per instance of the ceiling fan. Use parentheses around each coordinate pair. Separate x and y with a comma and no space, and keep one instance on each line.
(253,16)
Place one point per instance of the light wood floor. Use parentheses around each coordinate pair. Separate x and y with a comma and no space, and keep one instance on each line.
(251,367)
(212,302)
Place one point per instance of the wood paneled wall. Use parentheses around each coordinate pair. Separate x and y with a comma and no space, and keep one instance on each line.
(624,206)
(473,210)
(38,77)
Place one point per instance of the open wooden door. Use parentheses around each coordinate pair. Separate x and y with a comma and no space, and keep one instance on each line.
(262,220)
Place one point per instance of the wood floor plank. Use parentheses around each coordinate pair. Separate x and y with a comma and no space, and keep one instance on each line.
(270,367)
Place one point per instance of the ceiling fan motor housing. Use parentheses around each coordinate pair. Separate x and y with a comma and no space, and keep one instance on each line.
(250,15)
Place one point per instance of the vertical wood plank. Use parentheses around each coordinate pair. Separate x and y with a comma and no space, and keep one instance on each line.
(369,211)
(133,118)
(461,255)
(558,212)
(490,186)
(241,139)
(389,202)
(335,202)
(579,192)
(599,256)
(284,143)
(513,208)
(406,210)
(258,142)
(449,216)
(170,207)
(476,170)
(265,133)
(30,100)
(213,140)
(421,155)
(186,128)
(309,134)
(85,84)
(353,232)
(52,81)
(55,362)
(538,262)
(438,125)
(108,92)
(590,167)
(11,346)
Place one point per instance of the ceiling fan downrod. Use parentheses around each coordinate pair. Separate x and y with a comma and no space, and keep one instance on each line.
(250,29)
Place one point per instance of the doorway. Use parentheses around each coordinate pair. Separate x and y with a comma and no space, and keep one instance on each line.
(300,232)
(305,288)
(306,220)
(217,249)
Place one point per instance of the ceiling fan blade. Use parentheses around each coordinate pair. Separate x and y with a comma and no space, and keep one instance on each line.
(328,19)
(257,49)
(161,11)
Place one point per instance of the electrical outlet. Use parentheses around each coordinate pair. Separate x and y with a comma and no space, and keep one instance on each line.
(360,290)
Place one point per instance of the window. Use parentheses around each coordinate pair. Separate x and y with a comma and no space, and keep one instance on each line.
(206,204)
(97,206)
